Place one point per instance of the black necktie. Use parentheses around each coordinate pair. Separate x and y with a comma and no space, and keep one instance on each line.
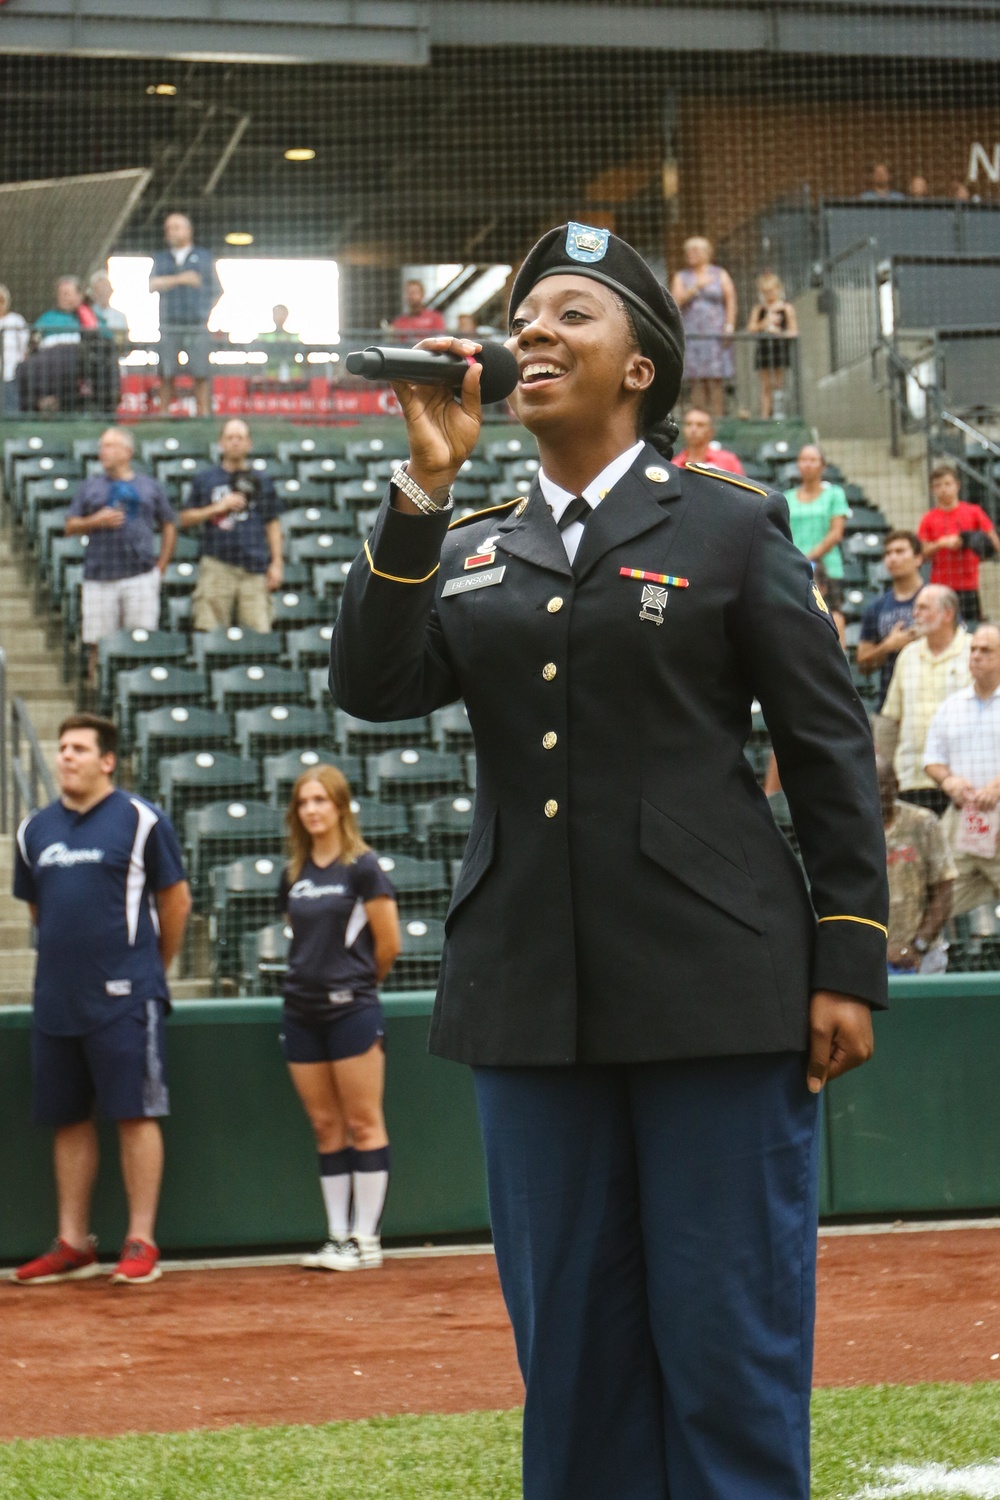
(578,509)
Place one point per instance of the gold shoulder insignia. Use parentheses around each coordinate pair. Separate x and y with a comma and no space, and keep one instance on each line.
(710,473)
(818,599)
(477,515)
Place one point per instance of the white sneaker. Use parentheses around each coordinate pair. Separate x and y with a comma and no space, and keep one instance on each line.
(335,1255)
(369,1251)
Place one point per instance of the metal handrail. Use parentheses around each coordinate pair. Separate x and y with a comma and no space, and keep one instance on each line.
(26,779)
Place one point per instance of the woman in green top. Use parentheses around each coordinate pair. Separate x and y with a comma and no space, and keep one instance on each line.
(817,510)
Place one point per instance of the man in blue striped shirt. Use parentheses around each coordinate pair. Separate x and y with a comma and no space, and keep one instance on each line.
(102,871)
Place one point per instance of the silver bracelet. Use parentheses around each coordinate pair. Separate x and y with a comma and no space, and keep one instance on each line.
(420,498)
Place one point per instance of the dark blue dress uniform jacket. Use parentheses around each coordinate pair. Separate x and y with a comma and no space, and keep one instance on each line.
(626,895)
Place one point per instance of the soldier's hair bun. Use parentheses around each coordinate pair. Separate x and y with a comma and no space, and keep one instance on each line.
(663,435)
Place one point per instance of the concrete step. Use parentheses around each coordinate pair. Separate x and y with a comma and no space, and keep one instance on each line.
(34,679)
(17,972)
(12,910)
(16,610)
(14,935)
(27,642)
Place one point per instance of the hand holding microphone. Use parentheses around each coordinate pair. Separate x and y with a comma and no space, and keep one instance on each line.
(442,431)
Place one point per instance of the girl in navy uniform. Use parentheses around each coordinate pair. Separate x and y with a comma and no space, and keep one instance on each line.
(648,993)
(345,939)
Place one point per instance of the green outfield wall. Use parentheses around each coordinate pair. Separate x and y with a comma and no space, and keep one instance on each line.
(915,1131)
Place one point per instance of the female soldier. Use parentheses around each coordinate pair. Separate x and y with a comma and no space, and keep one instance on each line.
(649,996)
(345,938)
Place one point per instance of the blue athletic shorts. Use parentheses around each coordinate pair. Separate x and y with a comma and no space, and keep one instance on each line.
(120,1070)
(346,1032)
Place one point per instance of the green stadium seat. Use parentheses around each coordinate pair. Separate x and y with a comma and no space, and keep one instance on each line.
(414,774)
(510,449)
(328,580)
(371,450)
(243,898)
(163,732)
(383,824)
(318,679)
(419,962)
(47,444)
(152,450)
(145,688)
(306,520)
(264,959)
(127,649)
(359,494)
(318,445)
(442,826)
(324,547)
(242,687)
(523,468)
(478,470)
(232,644)
(220,832)
(329,470)
(292,490)
(292,609)
(422,887)
(280,726)
(450,728)
(200,776)
(367,738)
(310,647)
(509,489)
(46,467)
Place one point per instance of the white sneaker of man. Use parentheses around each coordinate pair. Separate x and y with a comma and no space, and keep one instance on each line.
(359,1253)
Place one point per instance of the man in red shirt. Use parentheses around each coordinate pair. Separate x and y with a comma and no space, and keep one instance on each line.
(699,448)
(947,531)
(417,318)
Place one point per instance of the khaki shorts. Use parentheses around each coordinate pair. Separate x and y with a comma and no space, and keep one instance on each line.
(225,595)
(111,604)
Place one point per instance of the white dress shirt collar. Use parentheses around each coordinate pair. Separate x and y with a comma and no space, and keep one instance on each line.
(557,499)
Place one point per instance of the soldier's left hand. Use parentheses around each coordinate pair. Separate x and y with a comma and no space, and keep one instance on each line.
(840,1036)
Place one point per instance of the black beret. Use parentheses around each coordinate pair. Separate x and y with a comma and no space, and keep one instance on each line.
(580,250)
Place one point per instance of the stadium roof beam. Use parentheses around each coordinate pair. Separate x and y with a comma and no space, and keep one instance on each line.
(402,32)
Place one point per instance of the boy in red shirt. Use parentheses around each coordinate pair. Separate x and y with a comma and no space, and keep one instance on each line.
(946,532)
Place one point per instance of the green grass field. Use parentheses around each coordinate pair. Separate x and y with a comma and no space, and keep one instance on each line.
(857,1434)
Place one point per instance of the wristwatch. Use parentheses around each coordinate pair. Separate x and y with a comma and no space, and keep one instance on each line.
(921,944)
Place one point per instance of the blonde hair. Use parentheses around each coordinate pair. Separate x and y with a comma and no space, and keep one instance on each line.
(4,295)
(769,279)
(335,784)
(700,239)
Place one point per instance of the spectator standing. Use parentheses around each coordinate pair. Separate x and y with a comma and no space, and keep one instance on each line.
(775,324)
(921,881)
(241,560)
(417,317)
(881,189)
(706,297)
(962,756)
(111,319)
(102,872)
(918,186)
(926,673)
(700,446)
(65,322)
(887,623)
(345,939)
(956,534)
(121,511)
(184,275)
(817,510)
(50,379)
(14,336)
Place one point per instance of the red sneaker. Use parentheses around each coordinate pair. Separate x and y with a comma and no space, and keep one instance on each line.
(140,1262)
(60,1263)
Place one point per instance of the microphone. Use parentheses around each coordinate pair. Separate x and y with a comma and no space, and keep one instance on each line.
(424,368)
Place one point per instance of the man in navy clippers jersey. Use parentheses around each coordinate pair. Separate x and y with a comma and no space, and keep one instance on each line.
(102,871)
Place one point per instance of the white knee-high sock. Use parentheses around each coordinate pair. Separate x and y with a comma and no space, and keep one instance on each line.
(371,1183)
(335,1180)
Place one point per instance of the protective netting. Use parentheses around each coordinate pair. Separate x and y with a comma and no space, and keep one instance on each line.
(821,184)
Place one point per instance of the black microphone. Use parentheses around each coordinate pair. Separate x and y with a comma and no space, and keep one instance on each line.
(421,367)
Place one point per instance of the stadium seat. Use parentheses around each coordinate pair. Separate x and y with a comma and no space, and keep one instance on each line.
(242,687)
(469,496)
(33,445)
(328,580)
(370,450)
(310,647)
(282,771)
(419,962)
(856,600)
(179,579)
(478,470)
(865,544)
(179,612)
(422,887)
(414,775)
(25,469)
(293,610)
(126,649)
(382,470)
(243,894)
(450,728)
(866,518)
(65,550)
(305,520)
(356,494)
(146,688)
(322,444)
(46,494)
(200,776)
(173,471)
(442,826)
(282,726)
(292,490)
(330,470)
(168,731)
(186,548)
(318,679)
(368,739)
(508,450)
(509,489)
(324,547)
(776,451)
(264,959)
(220,832)
(383,824)
(524,468)
(297,576)
(153,449)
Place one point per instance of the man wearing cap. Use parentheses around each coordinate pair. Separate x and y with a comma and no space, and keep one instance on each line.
(650,997)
